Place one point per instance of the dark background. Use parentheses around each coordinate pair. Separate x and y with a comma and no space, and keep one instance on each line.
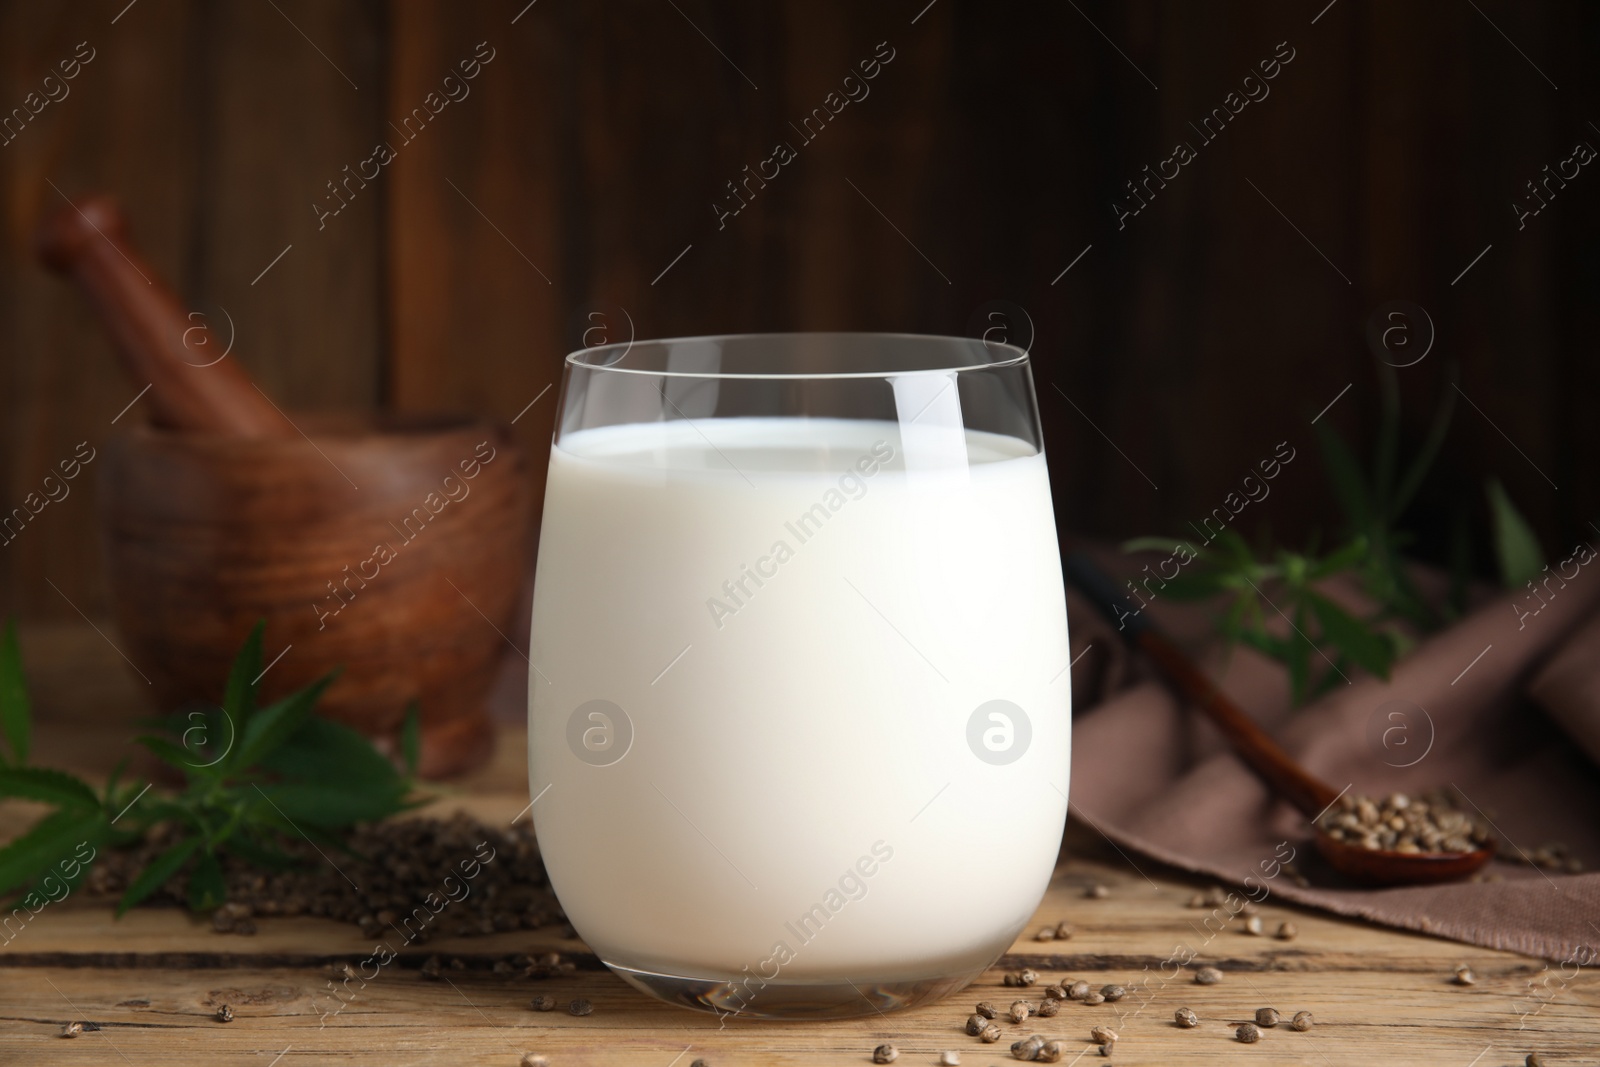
(986,158)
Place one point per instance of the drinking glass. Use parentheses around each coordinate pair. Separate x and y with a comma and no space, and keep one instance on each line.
(799,726)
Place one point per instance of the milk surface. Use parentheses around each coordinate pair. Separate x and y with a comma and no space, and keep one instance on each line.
(797,620)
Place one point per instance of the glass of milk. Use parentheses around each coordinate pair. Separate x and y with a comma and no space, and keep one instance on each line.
(799,717)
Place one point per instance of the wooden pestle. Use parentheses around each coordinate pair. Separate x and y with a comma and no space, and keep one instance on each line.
(191,387)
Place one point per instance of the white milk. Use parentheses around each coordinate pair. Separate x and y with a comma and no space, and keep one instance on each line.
(799,798)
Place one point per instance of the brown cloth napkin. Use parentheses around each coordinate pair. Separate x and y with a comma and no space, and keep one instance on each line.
(1154,777)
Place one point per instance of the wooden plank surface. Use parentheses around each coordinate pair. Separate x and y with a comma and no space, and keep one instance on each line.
(153,980)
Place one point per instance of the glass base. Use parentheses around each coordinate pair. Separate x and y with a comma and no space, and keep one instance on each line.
(822,999)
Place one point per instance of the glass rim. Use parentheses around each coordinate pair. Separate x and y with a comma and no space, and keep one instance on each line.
(583,357)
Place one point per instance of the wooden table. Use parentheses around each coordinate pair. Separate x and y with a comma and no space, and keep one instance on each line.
(153,980)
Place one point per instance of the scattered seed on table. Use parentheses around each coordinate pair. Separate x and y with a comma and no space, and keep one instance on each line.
(1464,975)
(986,1009)
(1302,1021)
(1186,1018)
(580,1007)
(1020,1010)
(1197,901)
(1533,1060)
(1047,934)
(1093,997)
(1103,1035)
(1047,1008)
(543,1002)
(1050,1052)
(1113,992)
(533,1059)
(885,1054)
(1064,931)
(700,1061)
(1078,990)
(225,1014)
(72,1029)
(1028,1048)
(1287,931)
(432,968)
(975,1024)
(1055,992)
(949,1058)
(1028,976)
(1097,892)
(1208,976)
(990,1034)
(1249,1033)
(1252,925)
(1267,1017)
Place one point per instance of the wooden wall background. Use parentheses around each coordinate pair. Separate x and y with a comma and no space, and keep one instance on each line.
(594,143)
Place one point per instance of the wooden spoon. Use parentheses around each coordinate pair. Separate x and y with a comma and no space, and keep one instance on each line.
(1260,753)
(192,386)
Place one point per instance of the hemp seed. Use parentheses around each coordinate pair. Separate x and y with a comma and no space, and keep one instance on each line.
(1533,1059)
(1077,990)
(1097,892)
(1302,1021)
(1113,992)
(1252,925)
(1464,975)
(1047,1008)
(885,1054)
(975,1024)
(1249,1033)
(533,1059)
(1027,1048)
(1186,1018)
(701,1062)
(1064,931)
(1094,998)
(1050,1052)
(72,1029)
(1267,1017)
(990,1034)
(543,1002)
(1287,931)
(1020,1010)
(948,1058)
(1027,977)
(580,1007)
(1207,976)
(225,1014)
(1046,934)
(986,1009)
(1103,1035)
(1055,992)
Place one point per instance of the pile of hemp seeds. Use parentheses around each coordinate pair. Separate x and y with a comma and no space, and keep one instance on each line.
(396,864)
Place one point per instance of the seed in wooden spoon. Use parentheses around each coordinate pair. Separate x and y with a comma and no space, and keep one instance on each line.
(1249,1033)
(1020,1010)
(1266,1016)
(72,1029)
(1287,931)
(1400,824)
(1302,1021)
(1186,1018)
(1464,975)
(885,1054)
(975,1024)
(1208,976)
(580,1007)
(949,1058)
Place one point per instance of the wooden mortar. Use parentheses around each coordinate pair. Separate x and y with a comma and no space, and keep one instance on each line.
(395,549)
